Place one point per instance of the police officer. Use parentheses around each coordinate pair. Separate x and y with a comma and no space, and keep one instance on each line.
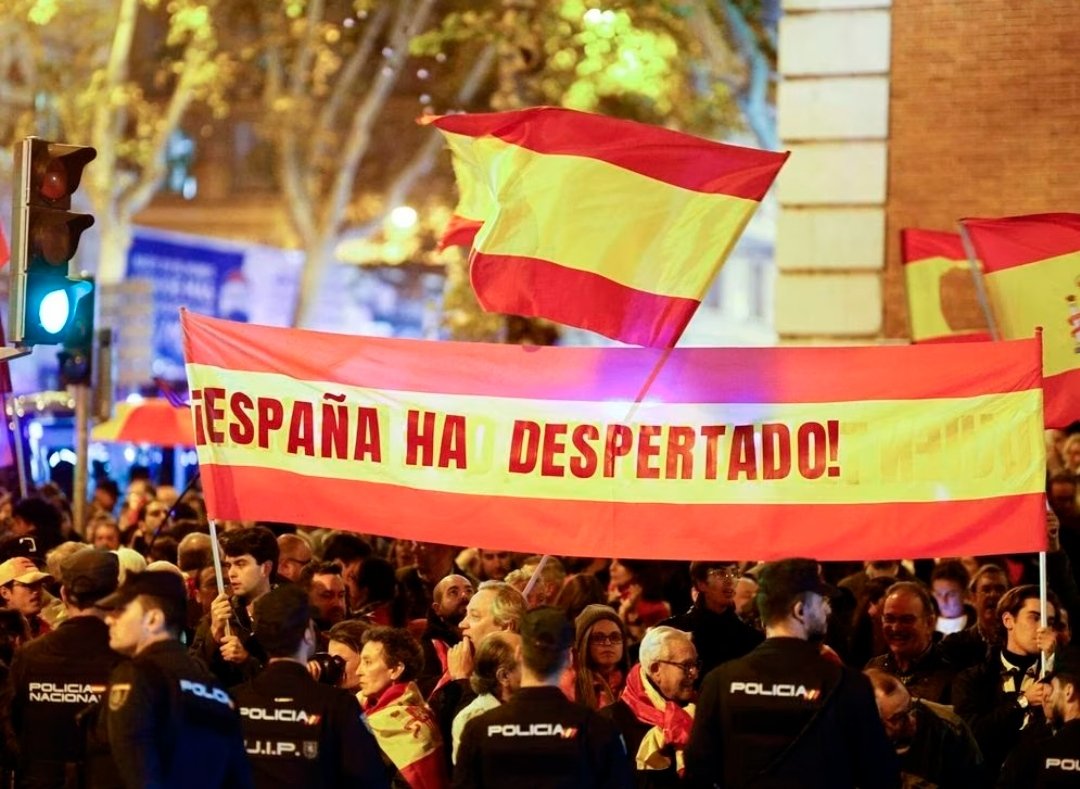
(296,731)
(783,715)
(56,677)
(168,722)
(538,738)
(1052,761)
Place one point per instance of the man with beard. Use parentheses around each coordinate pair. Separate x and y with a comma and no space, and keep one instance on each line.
(654,714)
(325,586)
(224,640)
(934,745)
(784,715)
(1053,759)
(452,595)
(718,633)
(495,565)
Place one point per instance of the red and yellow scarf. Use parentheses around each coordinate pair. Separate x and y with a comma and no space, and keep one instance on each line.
(670,722)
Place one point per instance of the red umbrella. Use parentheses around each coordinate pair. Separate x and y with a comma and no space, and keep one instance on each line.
(151,421)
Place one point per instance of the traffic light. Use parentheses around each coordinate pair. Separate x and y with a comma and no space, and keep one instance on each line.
(76,357)
(47,305)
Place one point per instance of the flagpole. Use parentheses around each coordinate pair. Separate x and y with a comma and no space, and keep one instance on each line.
(535,577)
(216,552)
(980,284)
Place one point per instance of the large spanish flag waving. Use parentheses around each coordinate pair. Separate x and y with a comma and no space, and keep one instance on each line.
(1032,266)
(605,224)
(928,256)
(837,453)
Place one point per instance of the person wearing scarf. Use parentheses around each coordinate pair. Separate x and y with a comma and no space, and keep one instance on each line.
(403,724)
(654,712)
(600,662)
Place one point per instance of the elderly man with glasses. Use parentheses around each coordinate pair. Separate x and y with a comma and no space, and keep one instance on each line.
(718,633)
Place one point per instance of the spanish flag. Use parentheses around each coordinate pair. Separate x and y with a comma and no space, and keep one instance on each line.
(928,256)
(604,224)
(1032,266)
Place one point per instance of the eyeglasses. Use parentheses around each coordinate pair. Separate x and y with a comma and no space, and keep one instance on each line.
(600,639)
(157,513)
(689,667)
(725,573)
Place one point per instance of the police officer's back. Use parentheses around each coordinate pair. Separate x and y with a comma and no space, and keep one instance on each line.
(784,716)
(168,723)
(538,738)
(296,731)
(56,678)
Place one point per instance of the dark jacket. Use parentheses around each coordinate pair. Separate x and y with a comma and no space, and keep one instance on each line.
(993,714)
(943,753)
(53,680)
(967,648)
(300,733)
(209,651)
(540,739)
(171,725)
(929,676)
(438,629)
(633,732)
(718,637)
(1050,763)
(785,716)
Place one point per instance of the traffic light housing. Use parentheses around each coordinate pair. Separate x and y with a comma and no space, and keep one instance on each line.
(47,304)
(76,358)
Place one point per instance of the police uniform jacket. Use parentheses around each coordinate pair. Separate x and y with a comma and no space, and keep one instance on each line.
(171,725)
(300,733)
(1057,760)
(53,682)
(541,739)
(785,716)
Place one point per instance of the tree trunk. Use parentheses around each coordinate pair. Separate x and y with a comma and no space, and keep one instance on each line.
(116,236)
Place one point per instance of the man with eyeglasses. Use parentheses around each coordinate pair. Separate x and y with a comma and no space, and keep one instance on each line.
(785,715)
(934,745)
(712,621)
(655,713)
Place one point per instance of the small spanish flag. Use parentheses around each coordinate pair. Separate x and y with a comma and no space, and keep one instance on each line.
(608,225)
(1032,266)
(928,256)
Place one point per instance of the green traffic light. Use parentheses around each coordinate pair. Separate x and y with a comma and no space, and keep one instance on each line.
(54,311)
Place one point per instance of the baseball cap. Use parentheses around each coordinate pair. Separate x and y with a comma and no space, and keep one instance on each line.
(163,585)
(547,628)
(90,574)
(22,570)
(789,578)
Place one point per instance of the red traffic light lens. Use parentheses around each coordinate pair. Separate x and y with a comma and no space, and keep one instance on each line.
(54,182)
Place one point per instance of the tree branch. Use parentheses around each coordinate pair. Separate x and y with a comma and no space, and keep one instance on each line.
(753,99)
(108,118)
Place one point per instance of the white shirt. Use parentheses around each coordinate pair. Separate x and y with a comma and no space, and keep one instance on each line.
(474,708)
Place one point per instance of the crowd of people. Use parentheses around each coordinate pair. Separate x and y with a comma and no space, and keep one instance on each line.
(328,658)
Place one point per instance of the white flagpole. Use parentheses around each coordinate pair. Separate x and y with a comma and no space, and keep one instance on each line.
(216,552)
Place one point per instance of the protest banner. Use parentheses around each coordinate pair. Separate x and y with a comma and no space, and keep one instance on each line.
(929,256)
(601,223)
(757,453)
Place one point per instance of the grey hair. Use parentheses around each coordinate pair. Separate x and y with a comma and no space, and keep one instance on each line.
(507,606)
(654,644)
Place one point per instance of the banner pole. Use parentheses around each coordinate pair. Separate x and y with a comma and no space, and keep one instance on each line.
(980,284)
(216,551)
(1042,604)
(535,577)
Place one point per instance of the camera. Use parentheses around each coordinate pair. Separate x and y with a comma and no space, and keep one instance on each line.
(331,668)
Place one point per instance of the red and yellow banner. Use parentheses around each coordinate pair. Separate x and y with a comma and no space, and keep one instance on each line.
(1032,266)
(836,453)
(929,256)
(605,224)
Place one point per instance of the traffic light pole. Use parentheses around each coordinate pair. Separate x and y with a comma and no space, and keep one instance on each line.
(82,461)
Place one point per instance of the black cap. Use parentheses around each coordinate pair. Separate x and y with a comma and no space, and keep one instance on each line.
(164,585)
(788,578)
(90,574)
(547,628)
(1067,662)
